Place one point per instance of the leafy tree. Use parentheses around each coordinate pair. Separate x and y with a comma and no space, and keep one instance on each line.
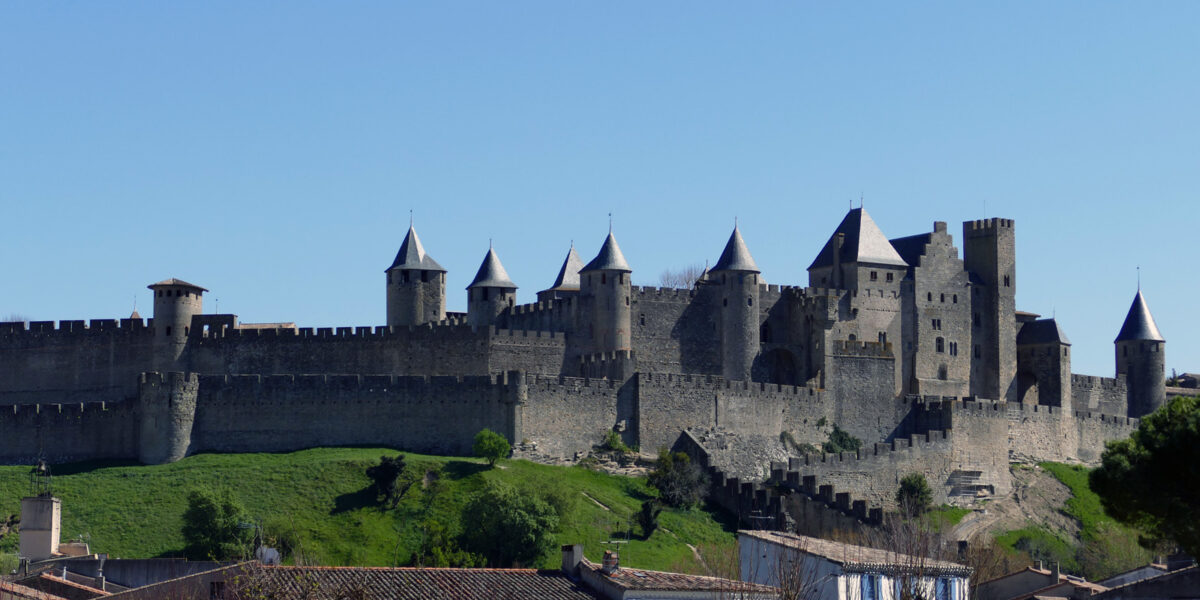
(914,495)
(507,526)
(439,549)
(648,516)
(1152,479)
(387,479)
(679,481)
(214,526)
(490,445)
(840,440)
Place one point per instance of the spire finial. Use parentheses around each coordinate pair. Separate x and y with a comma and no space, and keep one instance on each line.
(610,222)
(490,246)
(410,218)
(735,221)
(1139,277)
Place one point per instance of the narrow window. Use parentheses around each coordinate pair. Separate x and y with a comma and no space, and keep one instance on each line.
(749,301)
(626,300)
(943,297)
(955,298)
(186,331)
(483,294)
(882,337)
(874,276)
(1064,351)
(424,276)
(620,278)
(940,345)
(942,373)
(929,297)
(889,277)
(1006,284)
(978,353)
(603,278)
(403,276)
(642,320)
(725,302)
(168,331)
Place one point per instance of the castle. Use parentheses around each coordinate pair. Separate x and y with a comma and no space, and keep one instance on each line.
(901,342)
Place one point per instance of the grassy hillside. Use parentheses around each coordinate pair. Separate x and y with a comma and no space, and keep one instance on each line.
(321,498)
(1104,547)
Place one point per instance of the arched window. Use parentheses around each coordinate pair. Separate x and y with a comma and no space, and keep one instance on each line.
(853,337)
(940,344)
(929,297)
(749,301)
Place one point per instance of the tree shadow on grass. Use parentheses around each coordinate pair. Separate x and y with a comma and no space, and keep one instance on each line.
(461,469)
(87,466)
(364,498)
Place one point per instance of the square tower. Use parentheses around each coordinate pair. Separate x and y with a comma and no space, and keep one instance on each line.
(990,256)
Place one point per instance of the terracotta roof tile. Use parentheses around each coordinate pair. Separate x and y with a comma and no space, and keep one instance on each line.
(379,583)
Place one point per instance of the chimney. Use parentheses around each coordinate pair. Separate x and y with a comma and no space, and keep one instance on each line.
(1054,573)
(572,555)
(611,562)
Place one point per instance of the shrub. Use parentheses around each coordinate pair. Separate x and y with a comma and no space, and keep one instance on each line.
(647,517)
(841,441)
(215,526)
(387,479)
(679,481)
(613,442)
(914,495)
(491,446)
(508,527)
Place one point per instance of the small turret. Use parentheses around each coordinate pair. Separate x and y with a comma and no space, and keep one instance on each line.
(738,278)
(490,293)
(567,282)
(604,290)
(175,303)
(416,285)
(1141,359)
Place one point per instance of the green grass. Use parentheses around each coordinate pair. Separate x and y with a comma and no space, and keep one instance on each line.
(322,498)
(1105,547)
(944,517)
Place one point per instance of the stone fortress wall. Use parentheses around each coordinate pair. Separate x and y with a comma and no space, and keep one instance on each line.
(892,340)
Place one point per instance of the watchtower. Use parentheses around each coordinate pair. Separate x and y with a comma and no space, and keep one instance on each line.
(1141,359)
(604,291)
(175,303)
(990,256)
(738,278)
(416,285)
(490,293)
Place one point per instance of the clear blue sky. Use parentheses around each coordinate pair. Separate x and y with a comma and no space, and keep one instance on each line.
(271,152)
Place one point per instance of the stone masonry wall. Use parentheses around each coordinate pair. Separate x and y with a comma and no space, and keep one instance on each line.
(63,433)
(1105,395)
(565,415)
(675,330)
(438,415)
(74,362)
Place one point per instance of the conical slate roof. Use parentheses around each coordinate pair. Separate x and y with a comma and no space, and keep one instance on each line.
(736,256)
(492,274)
(1139,323)
(864,243)
(568,275)
(609,258)
(412,255)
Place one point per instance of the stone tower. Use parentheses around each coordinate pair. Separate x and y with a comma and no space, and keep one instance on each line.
(1141,359)
(416,286)
(604,291)
(990,255)
(490,293)
(175,302)
(737,276)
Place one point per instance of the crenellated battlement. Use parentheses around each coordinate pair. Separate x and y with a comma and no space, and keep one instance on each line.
(983,226)
(1094,382)
(64,328)
(716,383)
(639,293)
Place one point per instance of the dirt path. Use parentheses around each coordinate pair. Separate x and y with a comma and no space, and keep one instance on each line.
(597,502)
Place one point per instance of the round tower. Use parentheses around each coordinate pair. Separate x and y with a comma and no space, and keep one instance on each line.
(175,303)
(605,288)
(416,285)
(738,277)
(1141,359)
(490,293)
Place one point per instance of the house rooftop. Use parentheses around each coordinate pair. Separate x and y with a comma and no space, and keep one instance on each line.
(858,558)
(644,580)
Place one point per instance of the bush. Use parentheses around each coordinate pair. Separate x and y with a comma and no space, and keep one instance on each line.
(491,446)
(387,479)
(914,495)
(647,517)
(508,527)
(614,443)
(215,526)
(679,481)
(841,441)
